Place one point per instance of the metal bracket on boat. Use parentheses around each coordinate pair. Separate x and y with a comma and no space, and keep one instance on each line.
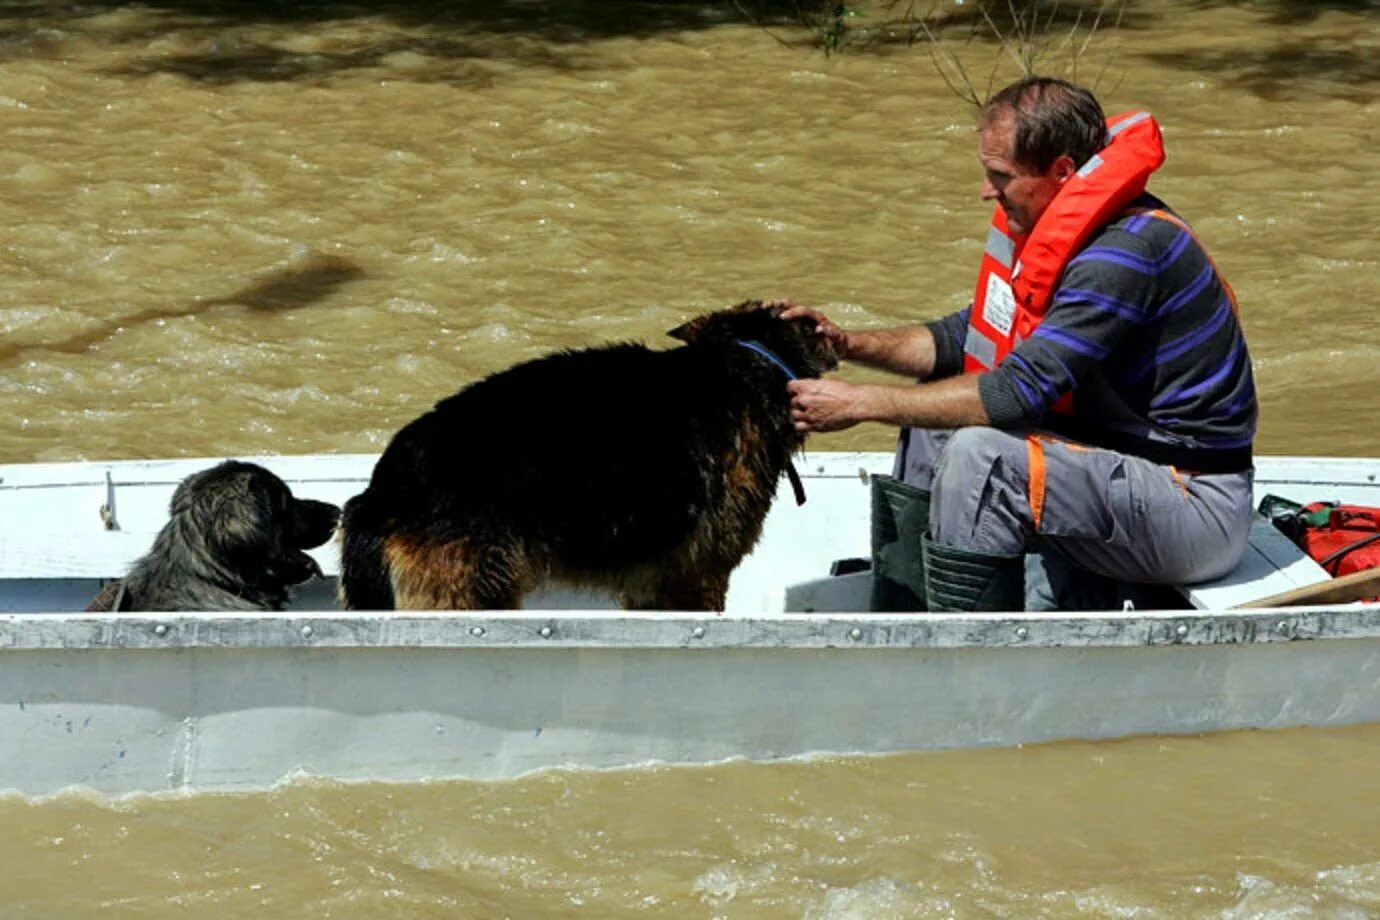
(108,509)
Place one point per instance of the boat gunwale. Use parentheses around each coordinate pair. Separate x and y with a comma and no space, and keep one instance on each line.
(631,631)
(1313,470)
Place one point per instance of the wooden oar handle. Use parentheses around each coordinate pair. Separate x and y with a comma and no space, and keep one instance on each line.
(1353,587)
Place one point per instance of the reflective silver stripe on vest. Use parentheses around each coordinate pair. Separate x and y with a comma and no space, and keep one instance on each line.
(1000,247)
(1089,167)
(1126,123)
(980,348)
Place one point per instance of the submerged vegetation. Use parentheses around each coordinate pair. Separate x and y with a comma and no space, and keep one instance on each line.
(1052,36)
(1322,47)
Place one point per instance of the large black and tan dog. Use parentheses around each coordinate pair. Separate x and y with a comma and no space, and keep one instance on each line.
(644,472)
(234,541)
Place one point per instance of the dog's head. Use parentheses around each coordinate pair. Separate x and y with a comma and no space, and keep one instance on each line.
(797,341)
(247,521)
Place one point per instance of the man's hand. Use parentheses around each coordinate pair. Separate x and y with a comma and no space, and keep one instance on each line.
(836,336)
(827,405)
(832,405)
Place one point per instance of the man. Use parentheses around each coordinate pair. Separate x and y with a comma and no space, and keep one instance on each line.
(1099,385)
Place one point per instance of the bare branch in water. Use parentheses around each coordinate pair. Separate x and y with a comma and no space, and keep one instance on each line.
(753,19)
(1116,26)
(961,85)
(1029,34)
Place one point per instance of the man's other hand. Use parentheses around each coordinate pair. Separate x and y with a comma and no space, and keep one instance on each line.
(826,405)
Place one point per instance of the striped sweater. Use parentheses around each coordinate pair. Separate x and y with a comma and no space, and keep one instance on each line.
(1141,329)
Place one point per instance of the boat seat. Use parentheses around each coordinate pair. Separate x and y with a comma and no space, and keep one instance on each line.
(1271,565)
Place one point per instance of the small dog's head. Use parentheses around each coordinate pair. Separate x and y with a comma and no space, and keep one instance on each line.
(247,520)
(797,341)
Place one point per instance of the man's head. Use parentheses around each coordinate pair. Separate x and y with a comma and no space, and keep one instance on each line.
(1033,137)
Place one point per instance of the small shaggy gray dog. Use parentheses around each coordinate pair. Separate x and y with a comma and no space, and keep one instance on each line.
(234,541)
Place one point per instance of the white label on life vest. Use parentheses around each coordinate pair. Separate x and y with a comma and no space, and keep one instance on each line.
(999,307)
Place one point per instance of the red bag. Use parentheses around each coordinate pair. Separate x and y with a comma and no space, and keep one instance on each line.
(1342,538)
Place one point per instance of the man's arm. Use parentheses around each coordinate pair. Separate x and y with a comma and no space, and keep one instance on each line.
(832,405)
(908,350)
(918,352)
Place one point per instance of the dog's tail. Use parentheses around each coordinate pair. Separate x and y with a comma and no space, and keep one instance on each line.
(365,580)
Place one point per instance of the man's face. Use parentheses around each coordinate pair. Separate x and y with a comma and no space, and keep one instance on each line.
(1022,193)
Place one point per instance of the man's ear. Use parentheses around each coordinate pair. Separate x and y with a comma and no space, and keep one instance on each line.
(1063,168)
(689,330)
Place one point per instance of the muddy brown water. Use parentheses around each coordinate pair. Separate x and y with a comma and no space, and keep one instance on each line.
(236,229)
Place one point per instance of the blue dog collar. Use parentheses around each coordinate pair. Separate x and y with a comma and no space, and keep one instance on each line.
(767,353)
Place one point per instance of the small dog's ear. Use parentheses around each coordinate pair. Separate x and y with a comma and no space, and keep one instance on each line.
(689,330)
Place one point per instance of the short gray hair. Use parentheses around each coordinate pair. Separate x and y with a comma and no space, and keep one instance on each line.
(1053,117)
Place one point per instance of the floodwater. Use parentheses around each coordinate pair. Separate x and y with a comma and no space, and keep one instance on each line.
(254,228)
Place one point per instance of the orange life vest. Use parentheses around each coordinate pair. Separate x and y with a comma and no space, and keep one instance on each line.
(1018,274)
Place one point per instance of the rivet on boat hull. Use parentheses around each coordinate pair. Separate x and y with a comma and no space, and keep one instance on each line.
(545,632)
(697,632)
(855,634)
(477,631)
(161,629)
(1022,633)
(307,631)
(1181,630)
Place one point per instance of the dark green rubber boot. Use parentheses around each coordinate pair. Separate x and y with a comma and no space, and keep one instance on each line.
(959,581)
(900,517)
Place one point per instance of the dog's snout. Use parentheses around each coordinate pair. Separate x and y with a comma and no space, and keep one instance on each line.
(315,522)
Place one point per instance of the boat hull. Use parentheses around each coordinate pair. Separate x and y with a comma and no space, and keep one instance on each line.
(197,701)
(124,704)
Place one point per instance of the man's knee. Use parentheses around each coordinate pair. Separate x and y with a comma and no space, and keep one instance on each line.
(976,455)
(979,497)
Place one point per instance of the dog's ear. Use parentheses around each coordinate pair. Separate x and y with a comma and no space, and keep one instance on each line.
(237,521)
(236,513)
(691,329)
(749,306)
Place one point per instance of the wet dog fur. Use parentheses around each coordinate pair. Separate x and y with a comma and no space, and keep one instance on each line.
(235,540)
(644,472)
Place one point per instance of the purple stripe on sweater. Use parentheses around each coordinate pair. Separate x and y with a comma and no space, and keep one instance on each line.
(1137,223)
(1196,287)
(1247,395)
(1131,260)
(1030,397)
(1198,337)
(1054,385)
(1226,442)
(1178,347)
(1070,341)
(1131,311)
(1232,362)
(1047,386)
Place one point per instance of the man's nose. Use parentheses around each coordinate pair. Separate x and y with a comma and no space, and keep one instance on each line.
(989,191)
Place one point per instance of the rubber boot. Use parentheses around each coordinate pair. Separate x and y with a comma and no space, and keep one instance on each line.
(900,517)
(960,581)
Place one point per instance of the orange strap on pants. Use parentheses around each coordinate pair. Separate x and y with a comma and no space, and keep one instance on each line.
(1035,481)
(1035,484)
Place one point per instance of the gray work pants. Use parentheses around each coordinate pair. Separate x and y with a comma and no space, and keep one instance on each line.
(1125,519)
